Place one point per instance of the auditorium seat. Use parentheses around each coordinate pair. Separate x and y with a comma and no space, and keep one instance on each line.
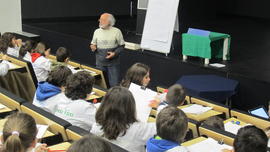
(248,118)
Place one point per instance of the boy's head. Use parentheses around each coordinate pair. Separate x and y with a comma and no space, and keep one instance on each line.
(176,95)
(172,124)
(58,76)
(42,49)
(215,122)
(79,85)
(62,54)
(250,138)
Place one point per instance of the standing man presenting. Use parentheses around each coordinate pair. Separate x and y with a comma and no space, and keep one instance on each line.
(107,43)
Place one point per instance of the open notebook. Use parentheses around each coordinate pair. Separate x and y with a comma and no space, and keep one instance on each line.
(142,97)
(208,145)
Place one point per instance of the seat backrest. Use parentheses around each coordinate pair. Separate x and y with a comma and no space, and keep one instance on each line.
(216,106)
(56,124)
(75,133)
(10,100)
(28,66)
(217,134)
(248,118)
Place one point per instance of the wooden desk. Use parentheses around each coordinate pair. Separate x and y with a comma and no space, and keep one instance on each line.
(203,116)
(193,141)
(61,146)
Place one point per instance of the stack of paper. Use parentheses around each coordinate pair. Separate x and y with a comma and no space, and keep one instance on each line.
(208,145)
(142,97)
(196,109)
(41,130)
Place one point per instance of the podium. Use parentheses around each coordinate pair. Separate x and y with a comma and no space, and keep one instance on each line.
(205,44)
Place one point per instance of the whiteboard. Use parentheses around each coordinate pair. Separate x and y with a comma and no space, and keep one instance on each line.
(10,16)
(161,19)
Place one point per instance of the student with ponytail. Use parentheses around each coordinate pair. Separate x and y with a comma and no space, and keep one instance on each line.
(19,134)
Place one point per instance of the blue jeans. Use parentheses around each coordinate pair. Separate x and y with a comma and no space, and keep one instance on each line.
(113,74)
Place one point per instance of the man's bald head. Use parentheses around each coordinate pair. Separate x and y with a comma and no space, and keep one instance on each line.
(106,20)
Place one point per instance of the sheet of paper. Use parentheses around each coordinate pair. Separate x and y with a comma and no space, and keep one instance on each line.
(41,130)
(2,106)
(196,109)
(208,145)
(75,70)
(142,98)
(217,65)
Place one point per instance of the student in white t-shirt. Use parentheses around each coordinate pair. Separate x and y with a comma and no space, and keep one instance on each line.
(47,91)
(13,44)
(41,65)
(26,50)
(72,105)
(172,126)
(116,121)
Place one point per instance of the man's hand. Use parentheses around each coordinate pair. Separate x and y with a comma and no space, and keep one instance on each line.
(93,47)
(110,55)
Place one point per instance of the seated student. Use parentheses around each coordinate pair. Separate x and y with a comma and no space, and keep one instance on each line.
(4,67)
(116,121)
(90,143)
(215,121)
(19,134)
(13,44)
(172,126)
(72,105)
(55,84)
(249,139)
(41,65)
(138,73)
(26,50)
(62,57)
(175,97)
